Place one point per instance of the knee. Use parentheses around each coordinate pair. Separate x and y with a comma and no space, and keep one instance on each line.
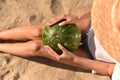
(35,48)
(36,33)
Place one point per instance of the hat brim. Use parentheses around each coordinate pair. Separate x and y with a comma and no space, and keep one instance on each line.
(104,17)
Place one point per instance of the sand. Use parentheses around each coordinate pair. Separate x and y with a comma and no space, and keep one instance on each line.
(14,13)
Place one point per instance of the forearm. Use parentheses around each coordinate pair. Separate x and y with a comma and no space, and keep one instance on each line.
(101,67)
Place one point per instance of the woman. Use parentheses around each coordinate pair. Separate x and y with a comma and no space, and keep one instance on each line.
(102,39)
(32,45)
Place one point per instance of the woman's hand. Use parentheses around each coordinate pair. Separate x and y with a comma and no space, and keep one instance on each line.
(67,19)
(66,57)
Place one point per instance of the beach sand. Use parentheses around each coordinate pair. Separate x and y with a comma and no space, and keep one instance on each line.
(15,13)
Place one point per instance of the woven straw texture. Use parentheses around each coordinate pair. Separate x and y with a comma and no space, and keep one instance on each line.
(106,22)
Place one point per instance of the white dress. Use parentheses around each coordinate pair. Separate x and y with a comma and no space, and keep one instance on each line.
(99,53)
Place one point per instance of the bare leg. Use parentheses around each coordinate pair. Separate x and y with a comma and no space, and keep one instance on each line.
(22,33)
(27,49)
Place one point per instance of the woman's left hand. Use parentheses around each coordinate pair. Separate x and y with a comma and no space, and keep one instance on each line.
(66,57)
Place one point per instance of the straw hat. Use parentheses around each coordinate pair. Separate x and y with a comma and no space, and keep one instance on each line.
(106,22)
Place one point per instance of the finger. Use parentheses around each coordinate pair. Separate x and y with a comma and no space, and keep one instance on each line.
(62,48)
(51,52)
(64,23)
(68,21)
(55,20)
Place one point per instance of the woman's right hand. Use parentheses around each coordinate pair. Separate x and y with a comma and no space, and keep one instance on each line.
(67,19)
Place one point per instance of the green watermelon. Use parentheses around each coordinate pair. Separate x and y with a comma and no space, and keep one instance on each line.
(69,36)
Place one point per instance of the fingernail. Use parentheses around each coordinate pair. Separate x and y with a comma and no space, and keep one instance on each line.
(46,47)
(60,24)
(59,45)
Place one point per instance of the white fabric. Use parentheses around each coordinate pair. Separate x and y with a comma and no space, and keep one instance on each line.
(116,73)
(99,53)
